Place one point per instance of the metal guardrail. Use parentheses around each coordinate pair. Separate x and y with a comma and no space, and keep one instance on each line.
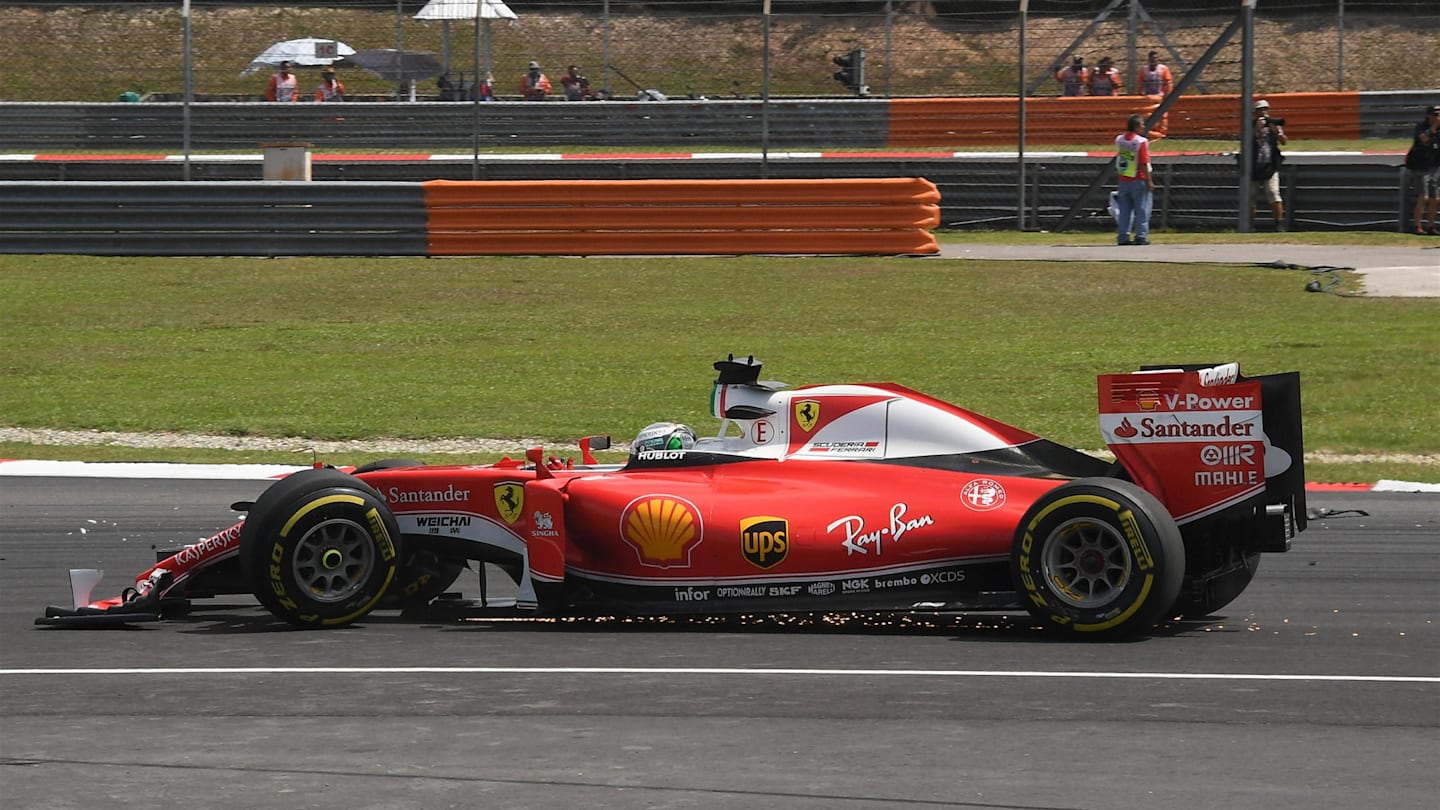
(1324,192)
(211,219)
(438,126)
(1393,115)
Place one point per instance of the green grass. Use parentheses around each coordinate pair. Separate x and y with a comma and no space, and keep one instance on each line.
(1094,236)
(559,347)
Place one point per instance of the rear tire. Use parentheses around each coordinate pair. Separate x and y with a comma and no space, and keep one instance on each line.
(1198,601)
(1098,558)
(319,548)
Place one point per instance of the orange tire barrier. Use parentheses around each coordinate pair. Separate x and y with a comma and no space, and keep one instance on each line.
(885,216)
(994,121)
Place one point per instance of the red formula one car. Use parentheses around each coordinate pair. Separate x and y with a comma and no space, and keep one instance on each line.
(822,498)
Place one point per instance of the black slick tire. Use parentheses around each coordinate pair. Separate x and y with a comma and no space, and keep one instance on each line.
(1098,558)
(319,548)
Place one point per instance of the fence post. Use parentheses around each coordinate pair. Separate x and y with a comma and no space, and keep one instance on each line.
(1400,198)
(1020,124)
(1168,171)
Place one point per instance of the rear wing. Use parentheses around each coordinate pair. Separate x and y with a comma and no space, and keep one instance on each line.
(1208,441)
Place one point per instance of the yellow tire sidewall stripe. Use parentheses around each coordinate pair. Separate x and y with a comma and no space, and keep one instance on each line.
(354,500)
(1114,506)
(316,504)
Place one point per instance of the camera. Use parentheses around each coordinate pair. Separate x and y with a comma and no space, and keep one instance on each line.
(1279,122)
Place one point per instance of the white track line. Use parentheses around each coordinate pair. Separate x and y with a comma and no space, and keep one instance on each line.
(838,673)
(124,469)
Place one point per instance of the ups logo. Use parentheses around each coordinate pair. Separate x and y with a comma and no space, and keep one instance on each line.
(765,541)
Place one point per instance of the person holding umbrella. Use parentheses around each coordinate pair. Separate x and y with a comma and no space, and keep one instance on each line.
(330,88)
(283,85)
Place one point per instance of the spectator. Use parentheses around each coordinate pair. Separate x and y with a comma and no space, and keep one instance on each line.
(1154,77)
(1135,184)
(330,88)
(283,85)
(1423,163)
(449,91)
(461,90)
(576,86)
(1265,155)
(1105,79)
(1074,78)
(534,85)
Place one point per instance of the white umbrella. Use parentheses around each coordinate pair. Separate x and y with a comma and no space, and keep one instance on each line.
(306,51)
(465,10)
(447,10)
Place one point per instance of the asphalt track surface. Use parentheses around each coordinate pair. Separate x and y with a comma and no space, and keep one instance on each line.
(1318,688)
(1387,272)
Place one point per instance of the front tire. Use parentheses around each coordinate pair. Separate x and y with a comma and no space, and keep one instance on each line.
(319,548)
(1098,558)
(422,575)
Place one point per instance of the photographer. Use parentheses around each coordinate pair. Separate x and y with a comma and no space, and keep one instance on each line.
(1105,79)
(1074,79)
(1265,155)
(1423,163)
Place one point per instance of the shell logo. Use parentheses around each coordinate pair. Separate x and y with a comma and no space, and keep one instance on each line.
(662,529)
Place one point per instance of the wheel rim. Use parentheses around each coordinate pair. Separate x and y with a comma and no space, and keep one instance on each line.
(1087,563)
(333,560)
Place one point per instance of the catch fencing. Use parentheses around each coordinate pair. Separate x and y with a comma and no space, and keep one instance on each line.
(733,79)
(98,50)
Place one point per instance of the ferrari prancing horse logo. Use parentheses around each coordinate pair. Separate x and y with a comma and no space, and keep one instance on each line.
(807,413)
(509,500)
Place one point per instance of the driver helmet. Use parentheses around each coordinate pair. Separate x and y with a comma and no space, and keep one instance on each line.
(664,436)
